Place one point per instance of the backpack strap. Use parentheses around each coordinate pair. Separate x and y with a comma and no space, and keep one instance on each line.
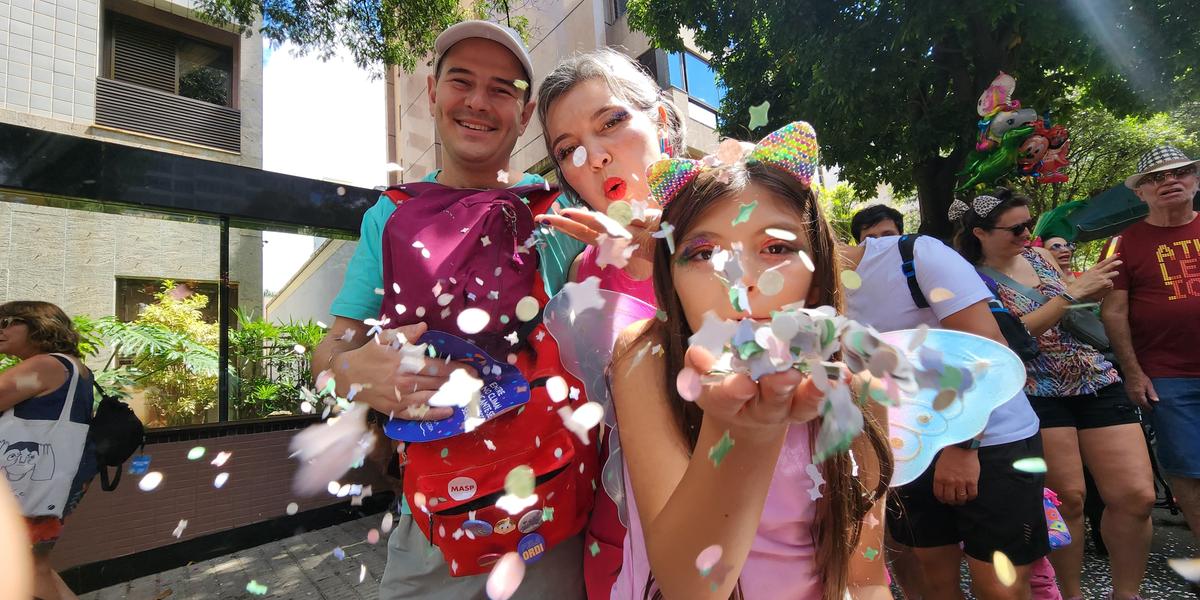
(396,194)
(908,266)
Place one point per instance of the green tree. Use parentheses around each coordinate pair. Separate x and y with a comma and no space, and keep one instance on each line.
(893,84)
(376,32)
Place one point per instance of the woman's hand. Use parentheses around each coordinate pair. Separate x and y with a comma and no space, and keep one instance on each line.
(1095,283)
(775,400)
(587,225)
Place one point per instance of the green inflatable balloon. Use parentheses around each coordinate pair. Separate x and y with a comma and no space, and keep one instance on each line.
(987,169)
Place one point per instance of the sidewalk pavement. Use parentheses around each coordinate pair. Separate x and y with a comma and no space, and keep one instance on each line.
(304,566)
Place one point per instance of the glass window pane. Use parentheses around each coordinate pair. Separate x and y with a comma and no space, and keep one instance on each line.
(282,319)
(141,290)
(702,81)
(676,70)
(205,72)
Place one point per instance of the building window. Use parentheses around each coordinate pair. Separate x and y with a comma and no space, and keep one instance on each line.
(693,75)
(134,294)
(166,83)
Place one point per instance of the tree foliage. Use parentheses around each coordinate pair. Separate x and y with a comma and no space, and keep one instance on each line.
(892,84)
(376,32)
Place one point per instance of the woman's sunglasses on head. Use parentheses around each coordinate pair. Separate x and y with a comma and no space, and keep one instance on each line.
(1161,176)
(6,322)
(1019,228)
(1056,246)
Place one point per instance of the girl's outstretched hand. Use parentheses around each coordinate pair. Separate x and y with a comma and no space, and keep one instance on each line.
(586,226)
(775,400)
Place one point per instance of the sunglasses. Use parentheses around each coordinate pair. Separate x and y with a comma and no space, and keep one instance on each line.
(6,322)
(1019,228)
(1059,246)
(1161,176)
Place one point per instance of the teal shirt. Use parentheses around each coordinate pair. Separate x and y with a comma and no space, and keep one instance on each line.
(364,274)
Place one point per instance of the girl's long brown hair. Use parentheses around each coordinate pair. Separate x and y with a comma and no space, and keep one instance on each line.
(846,502)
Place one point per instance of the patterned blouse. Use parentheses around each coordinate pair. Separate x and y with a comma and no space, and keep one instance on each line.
(1066,366)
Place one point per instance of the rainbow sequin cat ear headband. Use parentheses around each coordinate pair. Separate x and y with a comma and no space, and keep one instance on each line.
(791,148)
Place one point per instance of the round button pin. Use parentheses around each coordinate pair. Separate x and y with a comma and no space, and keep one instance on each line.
(477,528)
(531,548)
(504,526)
(489,559)
(530,521)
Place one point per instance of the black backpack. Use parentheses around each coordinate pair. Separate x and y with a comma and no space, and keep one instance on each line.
(116,433)
(1013,329)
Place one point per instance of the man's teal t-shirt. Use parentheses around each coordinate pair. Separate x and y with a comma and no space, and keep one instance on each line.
(364,274)
(358,299)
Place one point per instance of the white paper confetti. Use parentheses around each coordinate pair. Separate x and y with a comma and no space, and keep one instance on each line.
(150,481)
(220,480)
(579,156)
(179,528)
(473,320)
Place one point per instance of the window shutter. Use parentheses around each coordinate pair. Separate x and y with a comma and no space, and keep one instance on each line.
(143,55)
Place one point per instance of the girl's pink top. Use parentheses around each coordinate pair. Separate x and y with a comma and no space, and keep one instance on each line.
(614,279)
(782,561)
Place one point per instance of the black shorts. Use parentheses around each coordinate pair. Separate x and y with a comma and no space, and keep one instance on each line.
(1007,515)
(1105,407)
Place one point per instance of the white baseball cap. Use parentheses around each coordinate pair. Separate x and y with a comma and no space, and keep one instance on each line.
(489,31)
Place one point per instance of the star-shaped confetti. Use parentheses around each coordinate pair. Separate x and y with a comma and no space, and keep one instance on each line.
(179,528)
(758,115)
(814,475)
(870,553)
(594,548)
(460,390)
(256,588)
(744,212)
(717,453)
(666,231)
(615,251)
(714,333)
(584,295)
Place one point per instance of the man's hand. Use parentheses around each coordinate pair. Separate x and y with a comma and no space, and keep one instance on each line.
(1140,389)
(956,476)
(385,386)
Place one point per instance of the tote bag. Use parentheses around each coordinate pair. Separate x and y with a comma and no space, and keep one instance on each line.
(40,457)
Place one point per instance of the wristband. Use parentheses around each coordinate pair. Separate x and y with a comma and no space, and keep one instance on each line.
(971,444)
(1069,298)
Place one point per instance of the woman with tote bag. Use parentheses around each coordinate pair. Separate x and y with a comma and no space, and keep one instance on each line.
(45,409)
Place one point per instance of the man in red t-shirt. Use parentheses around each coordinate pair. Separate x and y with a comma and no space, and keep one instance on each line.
(1153,316)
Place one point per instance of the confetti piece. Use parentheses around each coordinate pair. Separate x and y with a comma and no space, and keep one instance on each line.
(338,553)
(473,320)
(299,349)
(220,480)
(505,577)
(548,513)
(373,536)
(460,390)
(1189,568)
(196,453)
(292,508)
(362,573)
(851,280)
(579,156)
(256,588)
(1033,464)
(445,452)
(870,553)
(392,167)
(717,453)
(556,388)
(944,399)
(808,263)
(520,481)
(150,481)
(521,84)
(744,212)
(1005,571)
(688,384)
(502,176)
(527,309)
(871,520)
(615,251)
(708,558)
(594,548)
(940,295)
(179,528)
(219,461)
(666,231)
(758,115)
(814,475)
(782,234)
(621,212)
(770,282)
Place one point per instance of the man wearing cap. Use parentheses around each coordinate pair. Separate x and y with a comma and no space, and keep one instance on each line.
(479,97)
(1152,316)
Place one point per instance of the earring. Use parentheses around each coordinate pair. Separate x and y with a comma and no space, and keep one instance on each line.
(664,140)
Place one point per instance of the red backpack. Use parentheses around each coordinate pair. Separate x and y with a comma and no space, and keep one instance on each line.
(452,485)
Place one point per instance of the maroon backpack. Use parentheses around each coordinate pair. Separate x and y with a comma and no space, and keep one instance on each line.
(452,249)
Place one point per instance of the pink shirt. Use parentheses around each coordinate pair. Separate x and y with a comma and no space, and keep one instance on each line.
(614,279)
(782,561)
